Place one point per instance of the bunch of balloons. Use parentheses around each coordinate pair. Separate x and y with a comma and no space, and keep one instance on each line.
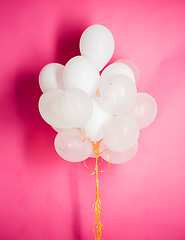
(84,106)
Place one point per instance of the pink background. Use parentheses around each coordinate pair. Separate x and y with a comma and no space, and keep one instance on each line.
(43,197)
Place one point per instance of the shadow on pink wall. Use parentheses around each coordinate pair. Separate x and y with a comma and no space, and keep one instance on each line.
(38,135)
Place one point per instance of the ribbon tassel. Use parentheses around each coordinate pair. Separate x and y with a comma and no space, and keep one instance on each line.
(98,227)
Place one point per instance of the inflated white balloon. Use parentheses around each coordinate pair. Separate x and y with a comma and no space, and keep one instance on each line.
(97,44)
(51,77)
(118,94)
(50,108)
(133,66)
(97,121)
(117,157)
(81,73)
(121,133)
(65,109)
(145,110)
(72,145)
(113,69)
(76,108)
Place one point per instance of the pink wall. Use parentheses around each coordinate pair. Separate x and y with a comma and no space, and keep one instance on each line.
(43,197)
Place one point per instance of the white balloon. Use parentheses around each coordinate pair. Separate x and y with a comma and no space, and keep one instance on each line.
(133,66)
(76,108)
(51,77)
(71,108)
(145,110)
(113,69)
(121,133)
(50,108)
(97,44)
(81,73)
(117,157)
(97,121)
(118,94)
(72,145)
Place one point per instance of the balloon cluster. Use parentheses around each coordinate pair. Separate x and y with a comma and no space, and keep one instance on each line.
(84,106)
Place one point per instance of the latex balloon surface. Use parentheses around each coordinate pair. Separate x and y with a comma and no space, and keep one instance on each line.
(51,77)
(121,133)
(114,69)
(75,107)
(118,94)
(133,66)
(81,73)
(145,110)
(72,145)
(94,128)
(97,44)
(117,157)
(50,108)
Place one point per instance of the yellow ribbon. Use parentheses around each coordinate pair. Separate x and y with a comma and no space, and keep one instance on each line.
(98,226)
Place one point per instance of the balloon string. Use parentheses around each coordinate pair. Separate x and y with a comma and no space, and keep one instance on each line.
(86,165)
(98,227)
